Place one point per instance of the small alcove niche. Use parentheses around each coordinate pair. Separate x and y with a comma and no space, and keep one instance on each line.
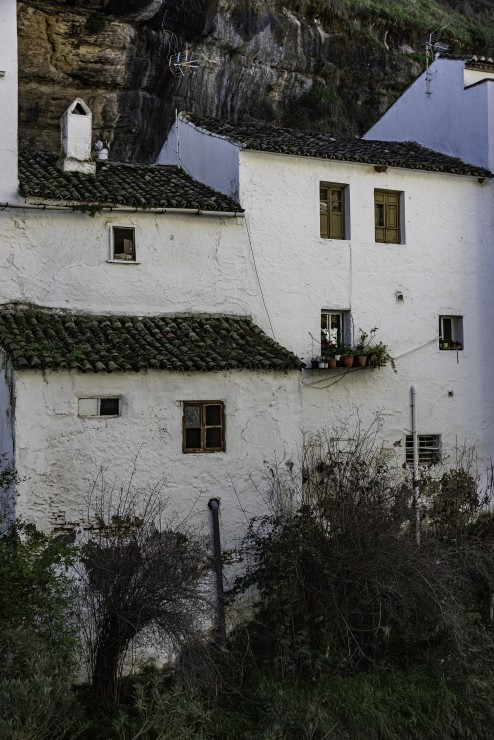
(76,131)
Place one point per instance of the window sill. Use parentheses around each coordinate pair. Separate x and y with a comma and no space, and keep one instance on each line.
(123,262)
(450,349)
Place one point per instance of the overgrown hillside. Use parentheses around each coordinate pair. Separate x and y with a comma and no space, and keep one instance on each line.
(325,64)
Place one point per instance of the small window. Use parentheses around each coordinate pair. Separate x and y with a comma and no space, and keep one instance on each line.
(334,330)
(123,245)
(451,332)
(332,211)
(387,216)
(99,406)
(203,426)
(429,448)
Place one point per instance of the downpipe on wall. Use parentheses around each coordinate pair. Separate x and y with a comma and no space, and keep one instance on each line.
(416,507)
(214,505)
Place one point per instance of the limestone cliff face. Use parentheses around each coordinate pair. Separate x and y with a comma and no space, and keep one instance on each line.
(266,59)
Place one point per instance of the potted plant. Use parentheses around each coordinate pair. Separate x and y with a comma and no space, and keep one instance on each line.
(377,352)
(347,355)
(361,354)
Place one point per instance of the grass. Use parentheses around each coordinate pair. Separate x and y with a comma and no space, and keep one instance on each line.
(469,24)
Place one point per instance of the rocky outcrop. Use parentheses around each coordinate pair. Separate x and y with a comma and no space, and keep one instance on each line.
(267,59)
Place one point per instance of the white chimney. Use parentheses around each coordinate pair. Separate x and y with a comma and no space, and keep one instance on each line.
(76,131)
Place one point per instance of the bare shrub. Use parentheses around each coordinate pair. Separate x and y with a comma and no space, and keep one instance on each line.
(339,575)
(142,573)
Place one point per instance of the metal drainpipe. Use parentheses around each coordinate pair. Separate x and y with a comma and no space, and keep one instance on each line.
(416,507)
(214,505)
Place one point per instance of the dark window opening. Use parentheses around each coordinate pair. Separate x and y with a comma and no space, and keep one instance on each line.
(109,406)
(123,243)
(451,332)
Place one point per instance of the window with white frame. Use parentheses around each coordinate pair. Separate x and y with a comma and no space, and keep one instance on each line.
(451,332)
(429,449)
(99,406)
(334,330)
(123,244)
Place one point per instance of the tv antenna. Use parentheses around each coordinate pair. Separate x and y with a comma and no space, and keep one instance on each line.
(432,47)
(180,58)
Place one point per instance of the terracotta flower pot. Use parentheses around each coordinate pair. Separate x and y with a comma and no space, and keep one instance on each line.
(362,360)
(332,363)
(347,360)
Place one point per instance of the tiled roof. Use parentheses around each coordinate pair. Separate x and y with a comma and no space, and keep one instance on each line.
(266,138)
(38,338)
(114,184)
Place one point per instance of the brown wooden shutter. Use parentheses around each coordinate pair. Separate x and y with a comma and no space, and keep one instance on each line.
(324,212)
(393,218)
(387,216)
(337,214)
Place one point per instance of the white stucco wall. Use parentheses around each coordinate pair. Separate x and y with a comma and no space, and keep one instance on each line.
(8,101)
(451,119)
(59,454)
(209,158)
(7,410)
(186,263)
(444,267)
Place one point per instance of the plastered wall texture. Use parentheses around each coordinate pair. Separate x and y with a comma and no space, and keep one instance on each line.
(62,454)
(443,267)
(189,262)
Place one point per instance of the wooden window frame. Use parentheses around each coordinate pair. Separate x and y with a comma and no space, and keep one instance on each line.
(328,226)
(203,427)
(389,231)
(125,260)
(429,449)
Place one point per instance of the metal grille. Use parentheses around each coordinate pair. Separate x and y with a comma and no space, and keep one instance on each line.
(429,448)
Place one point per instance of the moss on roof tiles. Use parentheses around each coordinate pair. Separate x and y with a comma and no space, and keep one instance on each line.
(266,138)
(39,338)
(114,184)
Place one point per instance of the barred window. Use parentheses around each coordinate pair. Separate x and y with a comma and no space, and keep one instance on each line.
(429,449)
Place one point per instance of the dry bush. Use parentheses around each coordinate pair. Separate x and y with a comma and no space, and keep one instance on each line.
(142,573)
(339,575)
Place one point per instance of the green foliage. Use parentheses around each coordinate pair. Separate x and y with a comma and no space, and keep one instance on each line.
(36,697)
(459,21)
(37,637)
(36,590)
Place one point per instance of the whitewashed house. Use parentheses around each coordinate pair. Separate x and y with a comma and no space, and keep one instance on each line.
(352,234)
(126,333)
(449,108)
(153,317)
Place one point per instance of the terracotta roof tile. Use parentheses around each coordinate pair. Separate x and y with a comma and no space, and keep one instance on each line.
(266,138)
(39,338)
(114,184)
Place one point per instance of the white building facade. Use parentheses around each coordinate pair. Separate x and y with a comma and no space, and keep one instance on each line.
(155,320)
(128,348)
(429,275)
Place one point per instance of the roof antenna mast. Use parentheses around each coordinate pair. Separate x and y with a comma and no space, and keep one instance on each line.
(432,47)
